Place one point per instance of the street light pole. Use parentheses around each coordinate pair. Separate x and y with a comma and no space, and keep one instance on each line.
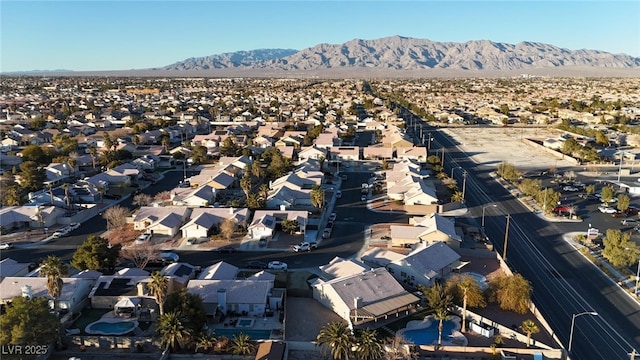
(464,185)
(506,239)
(637,278)
(573,321)
(483,209)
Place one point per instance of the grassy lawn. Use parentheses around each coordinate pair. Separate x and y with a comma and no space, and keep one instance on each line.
(402,323)
(88,316)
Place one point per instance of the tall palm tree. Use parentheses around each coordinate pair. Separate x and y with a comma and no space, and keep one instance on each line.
(158,289)
(440,314)
(94,154)
(241,344)
(338,337)
(439,301)
(368,345)
(264,191)
(65,186)
(172,330)
(54,270)
(529,327)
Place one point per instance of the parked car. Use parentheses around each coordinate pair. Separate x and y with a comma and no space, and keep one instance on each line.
(74,225)
(606,209)
(305,246)
(332,217)
(256,265)
(570,188)
(562,209)
(58,234)
(326,233)
(143,238)
(226,250)
(6,246)
(169,257)
(629,221)
(338,194)
(619,214)
(588,197)
(632,210)
(277,265)
(363,198)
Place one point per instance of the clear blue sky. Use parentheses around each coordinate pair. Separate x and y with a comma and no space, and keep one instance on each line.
(121,35)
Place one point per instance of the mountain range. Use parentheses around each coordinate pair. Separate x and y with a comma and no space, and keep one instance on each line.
(410,54)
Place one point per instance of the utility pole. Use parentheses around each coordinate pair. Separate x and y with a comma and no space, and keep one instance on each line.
(464,185)
(506,239)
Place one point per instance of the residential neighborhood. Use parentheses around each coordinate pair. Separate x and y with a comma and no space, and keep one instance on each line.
(246,206)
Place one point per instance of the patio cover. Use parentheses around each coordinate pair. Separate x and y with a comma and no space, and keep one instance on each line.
(127,303)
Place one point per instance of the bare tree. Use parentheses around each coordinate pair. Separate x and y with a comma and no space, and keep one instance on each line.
(116,217)
(140,255)
(162,197)
(142,199)
(228,228)
(398,348)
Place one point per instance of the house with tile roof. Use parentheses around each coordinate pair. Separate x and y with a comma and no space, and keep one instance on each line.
(425,265)
(202,221)
(73,293)
(426,229)
(364,298)
(219,271)
(161,220)
(241,296)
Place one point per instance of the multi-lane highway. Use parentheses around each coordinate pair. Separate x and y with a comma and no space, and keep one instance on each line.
(564,282)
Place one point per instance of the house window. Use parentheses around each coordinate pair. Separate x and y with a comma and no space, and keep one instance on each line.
(403,274)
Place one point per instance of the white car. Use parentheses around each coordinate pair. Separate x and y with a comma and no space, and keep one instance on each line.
(606,209)
(277,265)
(6,246)
(629,221)
(59,233)
(74,225)
(326,233)
(143,238)
(305,246)
(332,217)
(363,198)
(570,188)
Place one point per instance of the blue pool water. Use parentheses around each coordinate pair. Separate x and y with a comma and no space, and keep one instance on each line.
(110,328)
(429,336)
(480,279)
(253,334)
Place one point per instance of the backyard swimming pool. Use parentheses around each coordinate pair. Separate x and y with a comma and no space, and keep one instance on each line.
(429,335)
(110,328)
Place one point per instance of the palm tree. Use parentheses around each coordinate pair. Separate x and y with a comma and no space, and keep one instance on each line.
(439,301)
(440,314)
(529,327)
(368,345)
(338,337)
(241,344)
(205,341)
(94,154)
(158,289)
(54,270)
(264,191)
(457,197)
(65,186)
(172,330)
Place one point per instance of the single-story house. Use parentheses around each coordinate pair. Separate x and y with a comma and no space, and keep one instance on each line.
(202,221)
(365,297)
(242,296)
(425,265)
(426,229)
(74,291)
(161,220)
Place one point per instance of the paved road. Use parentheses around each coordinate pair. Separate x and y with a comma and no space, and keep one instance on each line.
(564,282)
(346,240)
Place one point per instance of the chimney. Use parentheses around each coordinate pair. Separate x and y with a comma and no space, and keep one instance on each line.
(231,210)
(222,300)
(283,207)
(26,291)
(357,302)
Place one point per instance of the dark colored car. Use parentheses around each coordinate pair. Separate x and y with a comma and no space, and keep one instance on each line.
(226,250)
(256,265)
(633,210)
(619,214)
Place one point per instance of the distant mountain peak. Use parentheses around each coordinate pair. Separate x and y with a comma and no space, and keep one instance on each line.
(405,53)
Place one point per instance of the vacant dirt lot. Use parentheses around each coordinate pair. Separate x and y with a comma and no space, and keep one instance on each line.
(491,146)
